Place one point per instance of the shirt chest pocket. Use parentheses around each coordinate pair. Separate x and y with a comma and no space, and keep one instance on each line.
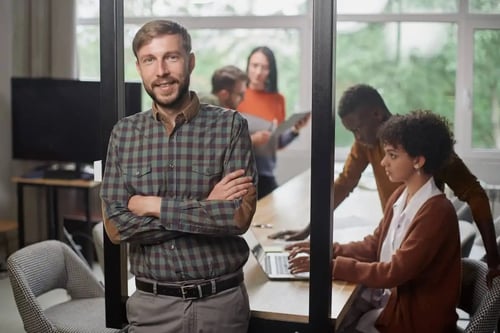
(205,176)
(140,179)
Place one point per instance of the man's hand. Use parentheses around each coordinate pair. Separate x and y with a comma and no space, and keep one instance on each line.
(233,186)
(141,205)
(260,138)
(299,260)
(291,235)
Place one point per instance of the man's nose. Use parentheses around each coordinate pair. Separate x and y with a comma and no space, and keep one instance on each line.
(162,68)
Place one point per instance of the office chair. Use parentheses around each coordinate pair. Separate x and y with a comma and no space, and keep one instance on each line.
(480,302)
(48,265)
(98,239)
(467,236)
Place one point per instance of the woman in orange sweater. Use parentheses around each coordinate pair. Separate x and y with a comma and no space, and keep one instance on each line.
(410,269)
(263,100)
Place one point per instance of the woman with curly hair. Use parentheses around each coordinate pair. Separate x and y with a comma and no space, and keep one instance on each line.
(410,267)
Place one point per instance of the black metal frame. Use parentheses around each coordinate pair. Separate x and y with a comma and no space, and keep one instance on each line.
(322,164)
(112,109)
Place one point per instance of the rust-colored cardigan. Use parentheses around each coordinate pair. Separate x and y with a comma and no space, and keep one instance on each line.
(424,274)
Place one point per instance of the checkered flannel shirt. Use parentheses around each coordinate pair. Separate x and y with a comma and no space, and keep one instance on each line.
(194,238)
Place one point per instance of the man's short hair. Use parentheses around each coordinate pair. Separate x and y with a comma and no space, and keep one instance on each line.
(159,28)
(226,77)
(360,97)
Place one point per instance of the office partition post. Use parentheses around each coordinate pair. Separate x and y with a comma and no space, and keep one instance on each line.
(112,109)
(322,164)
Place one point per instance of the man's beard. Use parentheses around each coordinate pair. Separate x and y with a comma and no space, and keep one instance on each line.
(183,91)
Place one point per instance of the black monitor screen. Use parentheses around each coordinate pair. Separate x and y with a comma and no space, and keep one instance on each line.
(58,120)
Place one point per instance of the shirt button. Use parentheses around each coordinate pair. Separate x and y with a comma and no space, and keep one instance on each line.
(171,165)
(137,173)
(172,247)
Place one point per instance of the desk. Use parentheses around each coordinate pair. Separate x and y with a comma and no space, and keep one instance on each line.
(51,187)
(288,207)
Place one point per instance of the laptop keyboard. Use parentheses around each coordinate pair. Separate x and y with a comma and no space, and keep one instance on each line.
(277,264)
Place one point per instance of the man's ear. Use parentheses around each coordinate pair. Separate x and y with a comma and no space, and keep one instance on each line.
(192,62)
(224,94)
(137,67)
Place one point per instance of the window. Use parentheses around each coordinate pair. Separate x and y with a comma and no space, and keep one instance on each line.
(227,40)
(169,8)
(431,54)
(395,6)
(412,64)
(486,90)
(484,6)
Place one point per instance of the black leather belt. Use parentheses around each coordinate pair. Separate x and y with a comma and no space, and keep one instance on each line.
(191,291)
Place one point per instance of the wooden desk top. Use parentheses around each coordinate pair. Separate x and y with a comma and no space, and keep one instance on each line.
(56,182)
(288,207)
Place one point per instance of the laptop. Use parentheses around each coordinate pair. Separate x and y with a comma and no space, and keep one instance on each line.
(273,263)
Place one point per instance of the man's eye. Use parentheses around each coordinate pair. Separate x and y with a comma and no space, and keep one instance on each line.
(173,58)
(147,60)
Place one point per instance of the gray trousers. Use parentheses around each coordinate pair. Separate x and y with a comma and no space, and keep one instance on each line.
(227,311)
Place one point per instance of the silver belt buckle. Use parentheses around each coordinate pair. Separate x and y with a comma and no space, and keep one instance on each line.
(185,289)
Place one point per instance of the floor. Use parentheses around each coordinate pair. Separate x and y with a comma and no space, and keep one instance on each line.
(10,321)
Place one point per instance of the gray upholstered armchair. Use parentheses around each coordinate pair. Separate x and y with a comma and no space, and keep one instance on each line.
(479,301)
(48,265)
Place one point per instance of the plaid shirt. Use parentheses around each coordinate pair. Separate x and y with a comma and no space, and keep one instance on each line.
(194,238)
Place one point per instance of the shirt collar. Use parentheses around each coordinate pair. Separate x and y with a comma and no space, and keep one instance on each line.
(428,190)
(186,114)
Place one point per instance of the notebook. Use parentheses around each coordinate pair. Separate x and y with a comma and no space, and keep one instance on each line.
(273,263)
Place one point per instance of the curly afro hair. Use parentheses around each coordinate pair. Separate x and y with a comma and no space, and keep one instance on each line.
(420,133)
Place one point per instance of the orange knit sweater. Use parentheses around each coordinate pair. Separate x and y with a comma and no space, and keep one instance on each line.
(263,104)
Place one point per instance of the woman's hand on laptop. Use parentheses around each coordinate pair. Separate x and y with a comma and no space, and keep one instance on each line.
(298,260)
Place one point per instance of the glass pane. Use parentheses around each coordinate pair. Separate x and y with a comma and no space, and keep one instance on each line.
(484,6)
(486,90)
(412,65)
(213,7)
(88,52)
(395,6)
(87,8)
(216,48)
